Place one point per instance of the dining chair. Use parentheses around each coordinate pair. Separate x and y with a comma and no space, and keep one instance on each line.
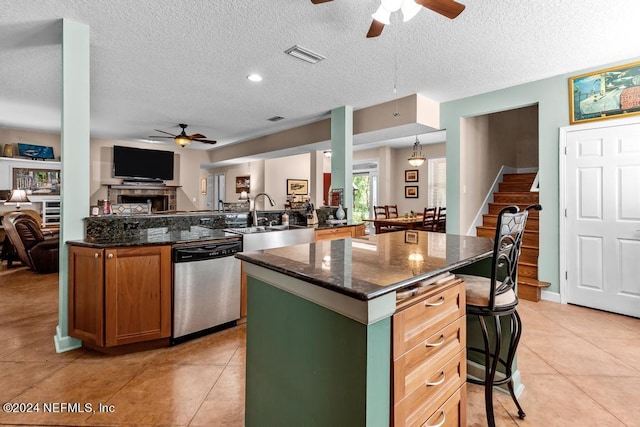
(380,212)
(392,211)
(441,220)
(428,220)
(495,298)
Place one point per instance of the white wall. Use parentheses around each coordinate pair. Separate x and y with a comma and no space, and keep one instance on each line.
(277,171)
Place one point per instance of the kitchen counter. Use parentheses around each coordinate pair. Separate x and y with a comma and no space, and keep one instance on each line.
(366,268)
(319,327)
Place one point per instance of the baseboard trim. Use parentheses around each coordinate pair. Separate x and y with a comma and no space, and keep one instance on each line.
(475,370)
(551,296)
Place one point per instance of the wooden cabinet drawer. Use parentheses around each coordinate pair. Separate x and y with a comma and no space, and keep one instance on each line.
(422,403)
(429,314)
(415,367)
(453,413)
(334,233)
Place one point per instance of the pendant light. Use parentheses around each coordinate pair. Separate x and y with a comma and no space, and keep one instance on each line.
(416,158)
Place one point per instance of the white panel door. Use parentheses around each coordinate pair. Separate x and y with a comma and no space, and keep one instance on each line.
(603,218)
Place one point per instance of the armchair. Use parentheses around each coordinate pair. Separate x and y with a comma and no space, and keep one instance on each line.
(34,250)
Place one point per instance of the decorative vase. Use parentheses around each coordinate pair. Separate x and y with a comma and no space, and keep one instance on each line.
(340,213)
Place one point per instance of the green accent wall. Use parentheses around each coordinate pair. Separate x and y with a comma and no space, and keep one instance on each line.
(309,366)
(552,97)
(342,153)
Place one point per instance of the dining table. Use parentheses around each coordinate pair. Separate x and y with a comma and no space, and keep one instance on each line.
(401,223)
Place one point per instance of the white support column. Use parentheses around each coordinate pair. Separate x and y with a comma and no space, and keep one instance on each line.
(75,136)
(342,154)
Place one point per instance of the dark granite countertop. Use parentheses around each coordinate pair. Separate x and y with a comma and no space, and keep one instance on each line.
(369,267)
(158,236)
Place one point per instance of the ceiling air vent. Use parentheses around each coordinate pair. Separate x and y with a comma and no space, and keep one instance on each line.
(304,54)
(275,119)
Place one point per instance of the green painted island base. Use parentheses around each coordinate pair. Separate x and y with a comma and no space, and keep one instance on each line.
(310,366)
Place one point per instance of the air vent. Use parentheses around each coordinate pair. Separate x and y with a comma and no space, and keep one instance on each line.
(304,54)
(275,119)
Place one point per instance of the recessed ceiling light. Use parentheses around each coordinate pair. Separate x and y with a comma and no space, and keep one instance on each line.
(255,77)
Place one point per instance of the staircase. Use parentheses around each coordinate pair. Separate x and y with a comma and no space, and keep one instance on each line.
(514,190)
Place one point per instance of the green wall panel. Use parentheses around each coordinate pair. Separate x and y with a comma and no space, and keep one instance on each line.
(309,366)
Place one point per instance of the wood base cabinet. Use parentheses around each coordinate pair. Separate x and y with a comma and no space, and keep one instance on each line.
(119,296)
(340,232)
(429,365)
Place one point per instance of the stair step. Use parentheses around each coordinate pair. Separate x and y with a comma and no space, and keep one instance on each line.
(526,269)
(495,208)
(533,223)
(527,198)
(530,289)
(508,187)
(519,177)
(530,237)
(529,256)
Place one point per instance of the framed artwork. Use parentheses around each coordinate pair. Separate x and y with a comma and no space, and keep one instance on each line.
(243,183)
(411,175)
(297,186)
(605,94)
(39,182)
(411,237)
(410,191)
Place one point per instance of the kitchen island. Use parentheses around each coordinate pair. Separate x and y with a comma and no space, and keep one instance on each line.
(321,343)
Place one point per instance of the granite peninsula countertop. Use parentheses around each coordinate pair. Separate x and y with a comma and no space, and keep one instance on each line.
(366,268)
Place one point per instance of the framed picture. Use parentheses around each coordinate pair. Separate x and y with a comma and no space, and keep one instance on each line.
(411,237)
(604,94)
(410,191)
(243,183)
(297,186)
(411,175)
(39,182)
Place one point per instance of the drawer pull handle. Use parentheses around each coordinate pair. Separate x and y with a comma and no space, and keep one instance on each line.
(441,423)
(437,344)
(435,304)
(443,376)
(96,255)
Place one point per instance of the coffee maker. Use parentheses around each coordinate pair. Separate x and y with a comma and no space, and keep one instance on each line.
(312,216)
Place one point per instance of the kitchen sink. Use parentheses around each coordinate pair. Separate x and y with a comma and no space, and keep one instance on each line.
(275,236)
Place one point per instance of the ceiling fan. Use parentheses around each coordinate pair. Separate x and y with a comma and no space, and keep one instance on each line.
(448,8)
(182,139)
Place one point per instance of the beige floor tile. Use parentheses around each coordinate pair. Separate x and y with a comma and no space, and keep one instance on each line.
(17,337)
(164,394)
(618,395)
(476,411)
(75,384)
(530,363)
(43,350)
(553,401)
(621,348)
(217,348)
(224,406)
(575,356)
(18,377)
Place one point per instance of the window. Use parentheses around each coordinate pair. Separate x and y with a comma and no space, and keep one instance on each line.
(437,190)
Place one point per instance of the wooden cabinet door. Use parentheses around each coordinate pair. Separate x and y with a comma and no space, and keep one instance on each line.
(334,233)
(137,294)
(86,294)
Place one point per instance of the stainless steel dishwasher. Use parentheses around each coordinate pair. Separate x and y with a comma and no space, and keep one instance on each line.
(206,287)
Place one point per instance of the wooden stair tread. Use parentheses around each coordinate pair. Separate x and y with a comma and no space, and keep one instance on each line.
(519,177)
(530,281)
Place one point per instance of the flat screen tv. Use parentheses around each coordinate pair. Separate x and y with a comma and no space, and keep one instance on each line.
(40,152)
(141,164)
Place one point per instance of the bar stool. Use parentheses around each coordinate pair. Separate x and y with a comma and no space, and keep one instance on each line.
(495,298)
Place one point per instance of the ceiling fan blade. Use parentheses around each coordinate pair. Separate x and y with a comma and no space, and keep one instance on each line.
(158,136)
(196,136)
(375,29)
(206,141)
(161,131)
(448,8)
(319,1)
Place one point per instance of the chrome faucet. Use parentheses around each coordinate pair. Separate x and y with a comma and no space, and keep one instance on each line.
(254,214)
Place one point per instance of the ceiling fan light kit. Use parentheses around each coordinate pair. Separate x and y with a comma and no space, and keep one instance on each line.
(182,139)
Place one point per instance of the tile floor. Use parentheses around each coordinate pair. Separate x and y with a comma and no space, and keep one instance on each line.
(580,367)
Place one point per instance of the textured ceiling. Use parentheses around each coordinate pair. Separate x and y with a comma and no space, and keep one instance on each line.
(157,63)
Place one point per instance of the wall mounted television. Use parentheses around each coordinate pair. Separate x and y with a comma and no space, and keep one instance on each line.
(39,152)
(137,164)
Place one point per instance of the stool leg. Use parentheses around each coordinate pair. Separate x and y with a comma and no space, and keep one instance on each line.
(516,326)
(491,366)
